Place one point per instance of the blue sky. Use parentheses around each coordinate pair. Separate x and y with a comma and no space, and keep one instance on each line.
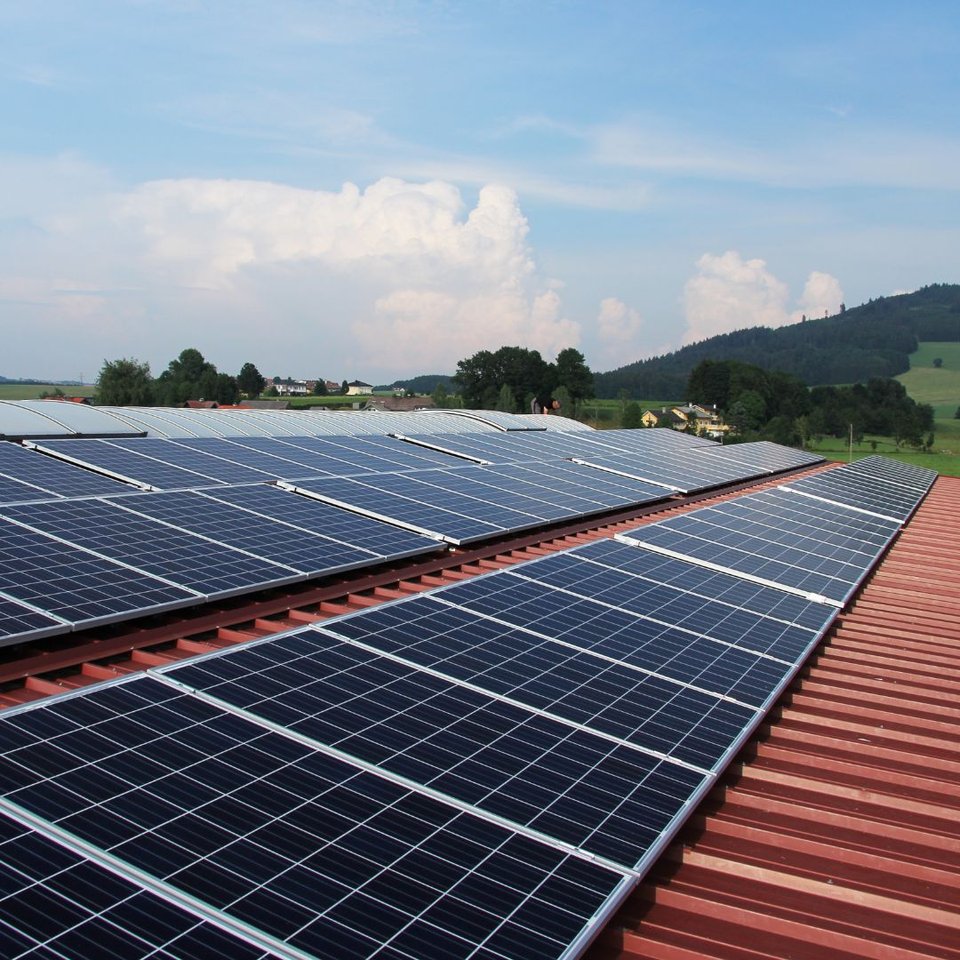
(377,190)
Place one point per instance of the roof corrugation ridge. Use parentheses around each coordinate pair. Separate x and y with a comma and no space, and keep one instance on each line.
(839,836)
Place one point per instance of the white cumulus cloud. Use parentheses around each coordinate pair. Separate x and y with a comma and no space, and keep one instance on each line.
(729,293)
(822,296)
(618,329)
(389,281)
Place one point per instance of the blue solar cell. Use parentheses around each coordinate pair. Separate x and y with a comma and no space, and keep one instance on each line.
(562,781)
(19,623)
(798,564)
(13,491)
(718,605)
(107,457)
(607,489)
(310,553)
(626,636)
(75,586)
(57,903)
(312,851)
(395,501)
(381,540)
(205,461)
(859,490)
(51,477)
(764,455)
(180,558)
(647,710)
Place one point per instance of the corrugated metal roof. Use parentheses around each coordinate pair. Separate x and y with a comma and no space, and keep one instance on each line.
(839,834)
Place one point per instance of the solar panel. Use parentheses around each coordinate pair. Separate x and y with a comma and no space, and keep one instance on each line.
(331,458)
(717,604)
(106,457)
(472,502)
(620,631)
(19,622)
(782,512)
(906,475)
(75,586)
(603,488)
(58,903)
(763,454)
(791,550)
(309,552)
(207,460)
(562,781)
(12,491)
(210,569)
(399,500)
(652,712)
(313,853)
(400,454)
(381,540)
(268,454)
(686,473)
(50,477)
(859,490)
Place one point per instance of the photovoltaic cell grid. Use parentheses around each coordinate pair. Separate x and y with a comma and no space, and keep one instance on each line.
(74,586)
(57,903)
(106,457)
(866,488)
(685,655)
(763,454)
(207,461)
(474,502)
(318,854)
(780,538)
(309,551)
(568,783)
(918,479)
(647,710)
(173,555)
(46,478)
(685,471)
(381,539)
(684,594)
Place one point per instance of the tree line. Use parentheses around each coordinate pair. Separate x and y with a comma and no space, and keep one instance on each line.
(874,340)
(777,406)
(128,382)
(510,377)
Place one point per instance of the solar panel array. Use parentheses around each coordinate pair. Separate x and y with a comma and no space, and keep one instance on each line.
(35,419)
(79,562)
(480,771)
(371,499)
(469,503)
(817,536)
(292,848)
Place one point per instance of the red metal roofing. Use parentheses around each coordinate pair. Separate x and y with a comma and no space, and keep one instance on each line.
(838,836)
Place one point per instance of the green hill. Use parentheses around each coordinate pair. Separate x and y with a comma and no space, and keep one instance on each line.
(875,339)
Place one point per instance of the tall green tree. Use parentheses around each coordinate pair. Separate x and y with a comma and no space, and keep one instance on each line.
(189,377)
(440,397)
(250,381)
(482,376)
(571,371)
(124,383)
(506,402)
(632,416)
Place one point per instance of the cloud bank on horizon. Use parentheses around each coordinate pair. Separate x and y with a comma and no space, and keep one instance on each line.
(351,193)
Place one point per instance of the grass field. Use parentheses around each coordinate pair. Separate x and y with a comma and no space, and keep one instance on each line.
(33,391)
(940,387)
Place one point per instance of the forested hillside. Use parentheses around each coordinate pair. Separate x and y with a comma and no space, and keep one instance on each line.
(872,340)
